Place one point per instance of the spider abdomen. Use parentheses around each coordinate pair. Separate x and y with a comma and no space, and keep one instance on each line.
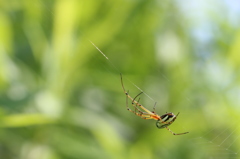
(165,120)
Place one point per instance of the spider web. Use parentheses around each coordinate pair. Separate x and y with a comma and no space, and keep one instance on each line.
(120,72)
(220,146)
(222,138)
(219,142)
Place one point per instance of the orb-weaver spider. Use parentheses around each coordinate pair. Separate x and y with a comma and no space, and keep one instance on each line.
(163,121)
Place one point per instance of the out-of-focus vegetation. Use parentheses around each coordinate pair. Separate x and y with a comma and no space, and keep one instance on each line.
(60,98)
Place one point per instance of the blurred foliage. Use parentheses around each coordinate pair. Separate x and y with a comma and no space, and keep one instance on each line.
(60,98)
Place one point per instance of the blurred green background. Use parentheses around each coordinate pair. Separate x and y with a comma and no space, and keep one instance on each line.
(61,99)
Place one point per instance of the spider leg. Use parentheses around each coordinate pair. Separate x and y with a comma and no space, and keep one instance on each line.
(142,107)
(147,115)
(146,118)
(174,119)
(136,108)
(128,106)
(136,97)
(175,133)
(127,102)
(144,115)
(141,114)
(177,114)
(136,103)
(171,123)
(126,93)
(154,107)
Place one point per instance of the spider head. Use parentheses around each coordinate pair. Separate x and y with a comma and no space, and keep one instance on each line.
(166,120)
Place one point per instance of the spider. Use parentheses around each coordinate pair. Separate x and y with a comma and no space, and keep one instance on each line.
(163,121)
